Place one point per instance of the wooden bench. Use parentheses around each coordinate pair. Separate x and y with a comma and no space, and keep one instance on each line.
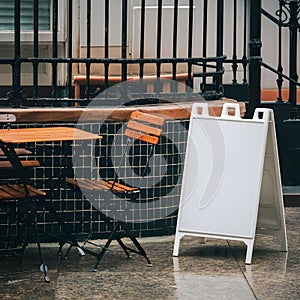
(79,80)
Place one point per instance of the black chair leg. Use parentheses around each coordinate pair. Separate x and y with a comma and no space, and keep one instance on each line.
(43,267)
(125,248)
(102,252)
(141,250)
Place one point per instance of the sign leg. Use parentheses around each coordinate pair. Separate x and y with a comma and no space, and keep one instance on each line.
(249,244)
(178,237)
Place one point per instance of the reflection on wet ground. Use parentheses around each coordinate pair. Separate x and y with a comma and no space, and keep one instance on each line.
(214,270)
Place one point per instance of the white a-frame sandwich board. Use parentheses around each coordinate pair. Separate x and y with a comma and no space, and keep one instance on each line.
(231,185)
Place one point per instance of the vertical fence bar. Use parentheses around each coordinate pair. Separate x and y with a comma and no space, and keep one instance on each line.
(255,55)
(220,41)
(190,42)
(35,48)
(234,65)
(17,63)
(106,43)
(204,44)
(88,49)
(142,37)
(175,30)
(244,58)
(124,39)
(279,66)
(293,27)
(54,47)
(158,37)
(70,47)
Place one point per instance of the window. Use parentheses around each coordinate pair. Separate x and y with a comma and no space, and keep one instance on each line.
(7,19)
(45,39)
(27,13)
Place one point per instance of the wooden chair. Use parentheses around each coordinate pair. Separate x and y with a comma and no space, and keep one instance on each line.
(20,194)
(147,129)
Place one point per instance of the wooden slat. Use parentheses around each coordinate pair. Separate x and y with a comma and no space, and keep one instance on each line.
(12,192)
(4,195)
(117,187)
(142,137)
(67,114)
(71,181)
(124,187)
(17,191)
(5,164)
(32,190)
(91,184)
(85,183)
(46,134)
(157,120)
(19,152)
(144,128)
(100,185)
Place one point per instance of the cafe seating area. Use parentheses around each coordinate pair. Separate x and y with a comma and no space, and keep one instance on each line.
(212,270)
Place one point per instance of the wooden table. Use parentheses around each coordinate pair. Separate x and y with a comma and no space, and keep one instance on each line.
(9,139)
(45,134)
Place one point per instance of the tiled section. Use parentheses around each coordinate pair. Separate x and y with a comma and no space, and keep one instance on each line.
(161,185)
(214,270)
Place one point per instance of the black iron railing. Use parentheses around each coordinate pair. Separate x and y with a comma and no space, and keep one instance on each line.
(212,67)
(208,68)
(287,15)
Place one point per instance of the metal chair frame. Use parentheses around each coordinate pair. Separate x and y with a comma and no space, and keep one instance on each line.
(147,129)
(23,192)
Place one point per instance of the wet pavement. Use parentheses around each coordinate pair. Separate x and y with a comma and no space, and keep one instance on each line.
(214,270)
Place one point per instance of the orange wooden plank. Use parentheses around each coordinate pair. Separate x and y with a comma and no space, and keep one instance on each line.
(4,195)
(94,184)
(12,192)
(157,120)
(47,134)
(124,187)
(31,190)
(85,183)
(5,164)
(142,137)
(143,127)
(19,151)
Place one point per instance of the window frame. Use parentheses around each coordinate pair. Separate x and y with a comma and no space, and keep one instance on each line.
(44,35)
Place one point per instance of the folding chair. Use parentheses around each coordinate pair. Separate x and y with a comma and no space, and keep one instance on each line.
(20,194)
(11,204)
(147,129)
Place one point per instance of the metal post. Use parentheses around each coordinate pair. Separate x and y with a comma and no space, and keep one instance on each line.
(17,62)
(35,49)
(255,55)
(220,43)
(124,38)
(54,47)
(293,26)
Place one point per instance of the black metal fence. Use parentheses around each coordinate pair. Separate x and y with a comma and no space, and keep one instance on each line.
(237,55)
(287,16)
(243,55)
(207,67)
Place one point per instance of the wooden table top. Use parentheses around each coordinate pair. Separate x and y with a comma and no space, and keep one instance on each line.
(45,134)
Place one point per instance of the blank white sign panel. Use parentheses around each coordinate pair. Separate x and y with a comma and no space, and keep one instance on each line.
(224,160)
(231,184)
